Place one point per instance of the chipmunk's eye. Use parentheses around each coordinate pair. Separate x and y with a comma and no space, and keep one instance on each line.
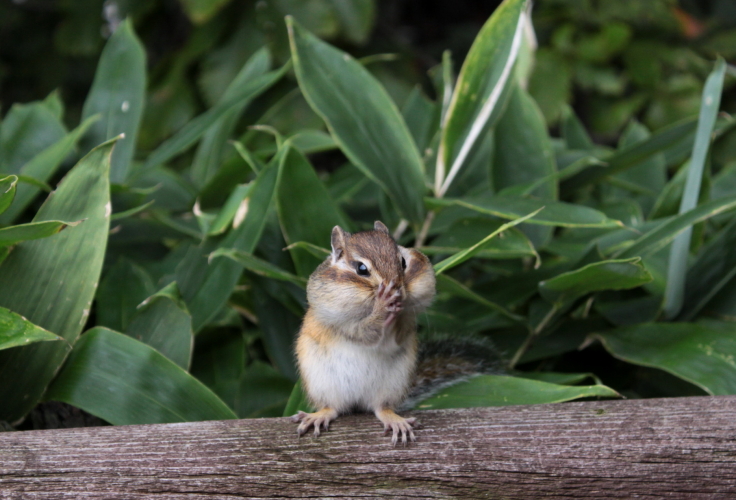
(403,264)
(361,269)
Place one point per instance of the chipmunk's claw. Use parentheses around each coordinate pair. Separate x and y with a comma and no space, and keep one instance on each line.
(399,426)
(319,420)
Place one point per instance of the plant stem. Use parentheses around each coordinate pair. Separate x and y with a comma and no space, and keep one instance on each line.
(425,229)
(531,337)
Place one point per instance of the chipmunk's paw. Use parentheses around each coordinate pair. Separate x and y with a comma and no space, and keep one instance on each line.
(389,298)
(399,426)
(319,419)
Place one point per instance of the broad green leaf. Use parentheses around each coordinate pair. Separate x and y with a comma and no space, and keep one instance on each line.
(279,328)
(42,167)
(675,292)
(207,292)
(523,154)
(52,281)
(209,153)
(573,131)
(714,268)
(450,285)
(200,11)
(467,253)
(297,401)
(194,129)
(607,275)
(131,211)
(306,211)
(560,378)
(16,331)
(263,392)
(362,118)
(8,188)
(32,231)
(27,129)
(259,266)
(126,382)
(697,353)
(219,361)
(664,233)
(122,289)
(418,113)
(523,151)
(483,80)
(501,390)
(118,93)
(163,322)
(555,213)
(677,135)
(356,17)
(468,231)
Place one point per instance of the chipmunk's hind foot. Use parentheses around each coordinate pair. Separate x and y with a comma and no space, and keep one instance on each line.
(318,419)
(399,426)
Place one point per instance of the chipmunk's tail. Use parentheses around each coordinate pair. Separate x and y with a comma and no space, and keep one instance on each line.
(445,360)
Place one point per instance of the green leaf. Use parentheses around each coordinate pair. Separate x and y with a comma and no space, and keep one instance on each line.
(27,129)
(200,11)
(42,167)
(219,361)
(483,80)
(163,322)
(450,285)
(523,151)
(467,253)
(259,266)
(206,293)
(500,390)
(469,230)
(560,378)
(8,187)
(235,206)
(607,275)
(555,213)
(661,235)
(16,331)
(714,268)
(418,112)
(263,392)
(32,231)
(361,117)
(297,401)
(697,353)
(126,382)
(209,153)
(675,291)
(306,211)
(123,287)
(52,281)
(194,129)
(573,131)
(356,17)
(317,251)
(523,154)
(118,94)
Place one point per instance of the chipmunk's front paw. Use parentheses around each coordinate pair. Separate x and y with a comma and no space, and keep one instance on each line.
(399,426)
(318,419)
(389,299)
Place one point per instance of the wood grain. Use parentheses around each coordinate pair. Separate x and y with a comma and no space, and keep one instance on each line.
(672,448)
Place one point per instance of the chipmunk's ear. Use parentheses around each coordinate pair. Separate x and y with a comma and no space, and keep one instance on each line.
(380,226)
(338,242)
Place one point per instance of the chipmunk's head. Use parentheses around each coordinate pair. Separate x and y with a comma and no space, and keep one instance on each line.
(364,267)
(369,258)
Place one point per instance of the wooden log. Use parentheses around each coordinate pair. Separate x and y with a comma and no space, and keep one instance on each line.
(674,448)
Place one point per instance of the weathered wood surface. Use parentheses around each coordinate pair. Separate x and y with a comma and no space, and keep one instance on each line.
(673,448)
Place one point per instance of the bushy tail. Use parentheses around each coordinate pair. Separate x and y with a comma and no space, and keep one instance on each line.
(446,360)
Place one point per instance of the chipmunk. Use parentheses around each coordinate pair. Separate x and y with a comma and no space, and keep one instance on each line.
(357,347)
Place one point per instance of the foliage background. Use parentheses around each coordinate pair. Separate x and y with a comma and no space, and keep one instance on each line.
(605,75)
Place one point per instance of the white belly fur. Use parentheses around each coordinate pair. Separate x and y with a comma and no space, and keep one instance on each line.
(346,375)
